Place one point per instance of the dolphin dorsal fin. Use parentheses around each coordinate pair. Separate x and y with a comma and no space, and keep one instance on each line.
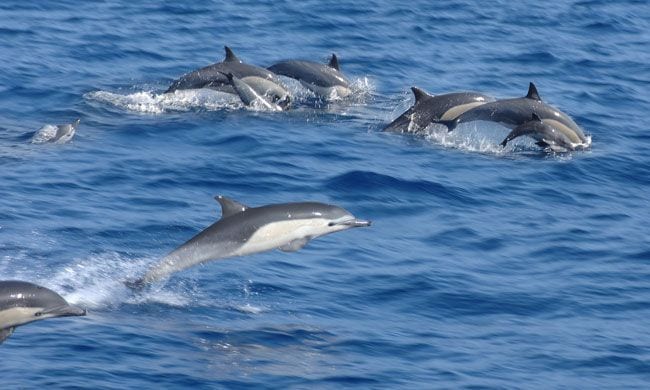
(334,62)
(229,206)
(230,56)
(532,92)
(536,117)
(419,94)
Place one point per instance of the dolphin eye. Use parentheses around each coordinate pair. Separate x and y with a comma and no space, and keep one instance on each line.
(37,314)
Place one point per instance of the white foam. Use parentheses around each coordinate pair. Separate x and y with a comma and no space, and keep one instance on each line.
(181,100)
(97,282)
(44,134)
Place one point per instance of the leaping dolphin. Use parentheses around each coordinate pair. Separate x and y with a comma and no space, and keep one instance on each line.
(428,108)
(514,112)
(212,76)
(244,230)
(545,135)
(325,80)
(24,302)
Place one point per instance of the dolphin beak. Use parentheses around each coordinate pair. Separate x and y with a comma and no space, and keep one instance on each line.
(352,223)
(66,311)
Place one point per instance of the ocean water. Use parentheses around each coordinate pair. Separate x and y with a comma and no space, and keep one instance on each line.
(484,268)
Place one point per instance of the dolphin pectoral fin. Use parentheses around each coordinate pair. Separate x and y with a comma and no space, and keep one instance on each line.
(450,124)
(5,333)
(295,245)
(229,206)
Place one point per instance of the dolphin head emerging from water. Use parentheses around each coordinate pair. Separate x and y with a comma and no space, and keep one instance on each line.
(24,302)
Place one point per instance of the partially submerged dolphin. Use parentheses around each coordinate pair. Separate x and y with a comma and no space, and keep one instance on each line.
(213,76)
(325,80)
(428,108)
(514,112)
(244,230)
(24,302)
(546,135)
(261,93)
(58,134)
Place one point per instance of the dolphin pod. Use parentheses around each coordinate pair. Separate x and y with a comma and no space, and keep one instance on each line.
(24,302)
(244,230)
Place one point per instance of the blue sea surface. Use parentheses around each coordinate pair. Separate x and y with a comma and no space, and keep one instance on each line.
(485,267)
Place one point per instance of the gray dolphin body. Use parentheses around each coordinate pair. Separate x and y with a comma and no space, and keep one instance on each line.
(64,133)
(258,92)
(545,135)
(24,302)
(244,230)
(514,112)
(325,80)
(428,108)
(213,76)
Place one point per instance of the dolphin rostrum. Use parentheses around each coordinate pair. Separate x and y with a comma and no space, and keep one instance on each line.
(24,302)
(244,230)
(325,80)
(428,108)
(514,112)
(259,92)
(213,76)
(545,135)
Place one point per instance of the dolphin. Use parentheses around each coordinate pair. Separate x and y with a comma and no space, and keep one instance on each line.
(325,80)
(428,108)
(64,133)
(212,76)
(545,135)
(58,134)
(24,302)
(244,230)
(253,91)
(514,112)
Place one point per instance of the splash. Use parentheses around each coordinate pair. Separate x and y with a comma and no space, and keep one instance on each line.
(97,282)
(178,101)
(46,134)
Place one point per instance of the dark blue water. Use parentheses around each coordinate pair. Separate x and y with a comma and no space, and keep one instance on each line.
(484,267)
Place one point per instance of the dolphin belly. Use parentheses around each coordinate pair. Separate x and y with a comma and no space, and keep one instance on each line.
(328,92)
(459,110)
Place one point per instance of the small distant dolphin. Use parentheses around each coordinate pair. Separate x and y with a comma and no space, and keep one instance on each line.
(514,112)
(24,302)
(325,80)
(59,134)
(262,93)
(428,108)
(64,133)
(244,230)
(213,76)
(545,135)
